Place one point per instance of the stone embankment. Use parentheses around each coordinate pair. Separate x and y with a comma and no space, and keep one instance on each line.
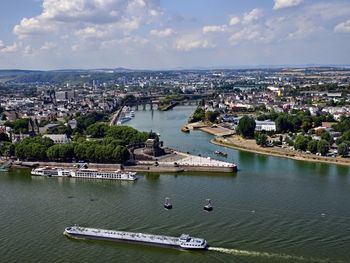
(174,163)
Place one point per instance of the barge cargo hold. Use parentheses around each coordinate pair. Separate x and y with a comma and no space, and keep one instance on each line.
(182,242)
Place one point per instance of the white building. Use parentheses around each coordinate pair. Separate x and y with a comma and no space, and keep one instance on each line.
(58,138)
(265,126)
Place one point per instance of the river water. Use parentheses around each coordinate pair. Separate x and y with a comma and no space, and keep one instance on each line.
(272,210)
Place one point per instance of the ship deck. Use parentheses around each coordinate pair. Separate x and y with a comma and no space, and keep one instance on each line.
(121,235)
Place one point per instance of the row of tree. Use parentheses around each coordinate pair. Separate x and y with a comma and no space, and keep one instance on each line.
(109,146)
(296,121)
(123,134)
(40,149)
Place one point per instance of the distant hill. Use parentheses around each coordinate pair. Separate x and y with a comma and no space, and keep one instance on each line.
(16,72)
(74,76)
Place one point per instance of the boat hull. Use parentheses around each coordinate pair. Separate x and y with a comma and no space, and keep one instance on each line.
(128,241)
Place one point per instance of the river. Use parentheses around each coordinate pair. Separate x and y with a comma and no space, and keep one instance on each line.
(272,210)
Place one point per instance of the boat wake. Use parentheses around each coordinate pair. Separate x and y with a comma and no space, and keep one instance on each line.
(247,253)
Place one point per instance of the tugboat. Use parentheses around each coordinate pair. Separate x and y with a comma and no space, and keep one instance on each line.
(167,204)
(208,207)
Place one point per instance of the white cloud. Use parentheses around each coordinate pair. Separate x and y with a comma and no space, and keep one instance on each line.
(48,46)
(305,28)
(167,32)
(234,21)
(80,14)
(252,16)
(28,50)
(191,42)
(279,4)
(329,11)
(245,34)
(213,29)
(343,27)
(9,49)
(92,32)
(30,26)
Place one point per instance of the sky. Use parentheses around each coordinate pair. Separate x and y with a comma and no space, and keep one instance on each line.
(171,34)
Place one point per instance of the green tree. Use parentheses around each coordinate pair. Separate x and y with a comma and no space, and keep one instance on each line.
(62,129)
(326,136)
(295,122)
(246,127)
(127,135)
(323,147)
(80,151)
(53,153)
(198,115)
(86,120)
(7,149)
(344,137)
(90,153)
(343,125)
(343,149)
(19,125)
(97,130)
(312,146)
(4,137)
(306,124)
(120,154)
(261,139)
(211,115)
(282,123)
(301,142)
(38,151)
(66,152)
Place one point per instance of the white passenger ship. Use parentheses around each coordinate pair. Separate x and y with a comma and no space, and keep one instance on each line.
(84,173)
(183,242)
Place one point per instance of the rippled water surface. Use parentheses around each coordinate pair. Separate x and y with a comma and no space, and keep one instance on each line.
(272,210)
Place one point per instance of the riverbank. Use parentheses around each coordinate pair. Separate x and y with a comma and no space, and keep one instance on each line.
(174,162)
(238,143)
(212,129)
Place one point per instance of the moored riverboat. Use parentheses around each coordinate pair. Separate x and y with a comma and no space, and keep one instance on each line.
(84,173)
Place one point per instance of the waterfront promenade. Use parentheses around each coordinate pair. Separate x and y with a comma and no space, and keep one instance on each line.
(174,162)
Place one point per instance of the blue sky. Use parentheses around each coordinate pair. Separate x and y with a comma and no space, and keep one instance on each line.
(165,34)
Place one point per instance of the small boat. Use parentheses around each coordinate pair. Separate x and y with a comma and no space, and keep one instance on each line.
(208,207)
(220,153)
(167,204)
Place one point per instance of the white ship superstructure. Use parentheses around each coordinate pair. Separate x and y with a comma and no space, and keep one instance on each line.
(96,174)
(85,173)
(182,242)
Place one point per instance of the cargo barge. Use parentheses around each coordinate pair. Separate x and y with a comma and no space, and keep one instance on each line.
(183,242)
